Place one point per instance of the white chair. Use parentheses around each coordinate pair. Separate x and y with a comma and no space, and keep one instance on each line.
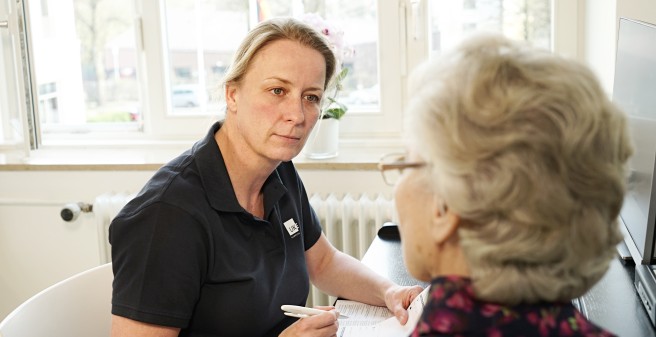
(79,306)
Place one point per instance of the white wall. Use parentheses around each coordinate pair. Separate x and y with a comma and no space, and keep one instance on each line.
(599,42)
(600,32)
(38,248)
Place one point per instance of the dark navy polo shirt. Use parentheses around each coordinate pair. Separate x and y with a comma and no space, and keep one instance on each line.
(186,254)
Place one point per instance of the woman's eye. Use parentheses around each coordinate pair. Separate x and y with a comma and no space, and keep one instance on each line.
(313,98)
(277,91)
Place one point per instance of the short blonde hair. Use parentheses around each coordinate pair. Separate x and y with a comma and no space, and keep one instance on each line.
(526,147)
(273,30)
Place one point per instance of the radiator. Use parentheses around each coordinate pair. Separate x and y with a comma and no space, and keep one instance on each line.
(105,208)
(350,222)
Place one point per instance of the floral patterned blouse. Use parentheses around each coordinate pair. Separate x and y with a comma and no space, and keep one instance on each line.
(452,310)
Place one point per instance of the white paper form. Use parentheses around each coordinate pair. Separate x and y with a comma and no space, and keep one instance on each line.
(371,321)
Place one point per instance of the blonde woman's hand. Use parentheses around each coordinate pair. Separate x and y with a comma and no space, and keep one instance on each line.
(322,325)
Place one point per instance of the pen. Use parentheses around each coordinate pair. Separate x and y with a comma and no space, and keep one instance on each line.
(302,312)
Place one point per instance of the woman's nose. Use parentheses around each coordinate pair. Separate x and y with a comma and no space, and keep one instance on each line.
(294,111)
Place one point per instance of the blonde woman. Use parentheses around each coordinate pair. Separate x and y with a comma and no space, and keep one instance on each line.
(514,180)
(223,236)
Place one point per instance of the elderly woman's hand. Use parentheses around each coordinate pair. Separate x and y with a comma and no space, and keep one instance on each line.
(398,298)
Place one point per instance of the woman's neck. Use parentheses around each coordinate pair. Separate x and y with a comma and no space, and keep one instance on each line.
(247,173)
(450,260)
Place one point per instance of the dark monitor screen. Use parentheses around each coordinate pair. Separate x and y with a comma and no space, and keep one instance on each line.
(634,91)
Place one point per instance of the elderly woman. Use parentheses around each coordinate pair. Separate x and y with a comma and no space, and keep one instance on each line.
(514,180)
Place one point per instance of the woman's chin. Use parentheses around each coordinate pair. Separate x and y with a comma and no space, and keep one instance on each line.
(286,155)
(418,272)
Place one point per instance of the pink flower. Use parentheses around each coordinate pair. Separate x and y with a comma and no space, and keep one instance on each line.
(547,323)
(444,321)
(334,34)
(459,301)
(533,318)
(489,310)
(565,329)
(437,293)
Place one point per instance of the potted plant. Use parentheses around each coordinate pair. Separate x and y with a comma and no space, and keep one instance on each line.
(323,142)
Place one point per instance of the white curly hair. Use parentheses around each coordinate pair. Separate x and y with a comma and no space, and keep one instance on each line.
(526,147)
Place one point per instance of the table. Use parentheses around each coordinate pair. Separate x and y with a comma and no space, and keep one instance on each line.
(612,303)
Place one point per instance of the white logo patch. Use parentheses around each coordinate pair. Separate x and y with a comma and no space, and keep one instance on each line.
(292,227)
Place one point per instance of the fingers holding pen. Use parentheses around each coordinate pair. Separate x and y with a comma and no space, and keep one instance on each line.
(320,325)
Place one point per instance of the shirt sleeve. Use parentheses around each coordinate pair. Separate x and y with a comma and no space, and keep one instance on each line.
(159,257)
(311,225)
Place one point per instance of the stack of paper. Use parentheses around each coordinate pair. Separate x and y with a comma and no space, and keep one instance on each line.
(366,320)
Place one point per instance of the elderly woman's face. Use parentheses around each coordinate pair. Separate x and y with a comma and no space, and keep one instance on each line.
(277,102)
(414,201)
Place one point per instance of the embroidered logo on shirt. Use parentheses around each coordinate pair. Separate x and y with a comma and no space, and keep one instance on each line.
(292,228)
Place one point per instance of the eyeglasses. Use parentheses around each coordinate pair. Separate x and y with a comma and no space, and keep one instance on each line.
(391,166)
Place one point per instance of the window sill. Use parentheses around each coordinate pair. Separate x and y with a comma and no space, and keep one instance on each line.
(149,158)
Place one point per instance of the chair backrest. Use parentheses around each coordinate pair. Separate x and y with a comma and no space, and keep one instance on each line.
(79,306)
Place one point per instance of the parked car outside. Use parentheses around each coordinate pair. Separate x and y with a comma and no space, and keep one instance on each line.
(186,96)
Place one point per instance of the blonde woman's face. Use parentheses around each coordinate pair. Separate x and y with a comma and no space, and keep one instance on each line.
(414,201)
(277,102)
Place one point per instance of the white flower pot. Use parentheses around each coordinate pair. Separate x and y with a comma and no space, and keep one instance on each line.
(324,140)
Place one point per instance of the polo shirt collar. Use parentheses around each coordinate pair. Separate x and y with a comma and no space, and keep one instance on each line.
(273,190)
(216,181)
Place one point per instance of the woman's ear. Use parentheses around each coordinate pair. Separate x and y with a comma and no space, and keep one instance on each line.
(445,221)
(231,96)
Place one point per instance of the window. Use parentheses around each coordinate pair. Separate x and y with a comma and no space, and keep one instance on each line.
(14,132)
(198,51)
(84,65)
(527,20)
(149,70)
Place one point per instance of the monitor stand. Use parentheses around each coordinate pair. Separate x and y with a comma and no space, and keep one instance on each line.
(624,254)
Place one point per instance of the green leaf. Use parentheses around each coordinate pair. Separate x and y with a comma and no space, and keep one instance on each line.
(342,74)
(335,109)
(335,113)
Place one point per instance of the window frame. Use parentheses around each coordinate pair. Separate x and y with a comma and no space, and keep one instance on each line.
(17,84)
(399,51)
